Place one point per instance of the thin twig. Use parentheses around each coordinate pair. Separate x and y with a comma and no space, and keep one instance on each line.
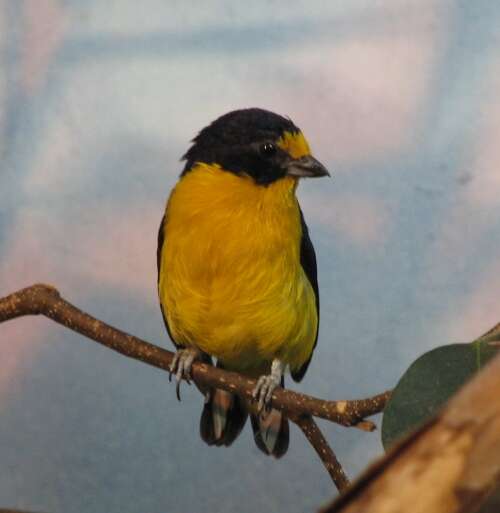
(46,300)
(312,432)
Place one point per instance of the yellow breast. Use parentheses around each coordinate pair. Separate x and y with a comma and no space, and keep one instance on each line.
(231,282)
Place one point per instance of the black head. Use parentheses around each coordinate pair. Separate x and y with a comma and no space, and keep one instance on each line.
(253,142)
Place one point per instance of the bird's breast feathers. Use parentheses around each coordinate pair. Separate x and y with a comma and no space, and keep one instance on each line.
(231,282)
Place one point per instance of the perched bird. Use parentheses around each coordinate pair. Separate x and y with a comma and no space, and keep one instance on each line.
(237,277)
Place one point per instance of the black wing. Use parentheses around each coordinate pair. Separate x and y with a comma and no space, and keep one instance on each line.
(308,262)
(161,240)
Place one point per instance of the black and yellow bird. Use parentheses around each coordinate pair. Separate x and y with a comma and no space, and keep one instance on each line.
(237,276)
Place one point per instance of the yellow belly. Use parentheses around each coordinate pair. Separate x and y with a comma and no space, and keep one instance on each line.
(231,282)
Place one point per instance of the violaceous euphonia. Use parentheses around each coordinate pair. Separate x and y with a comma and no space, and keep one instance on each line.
(237,277)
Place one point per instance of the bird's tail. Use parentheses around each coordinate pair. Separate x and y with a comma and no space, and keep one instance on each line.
(223,418)
(271,431)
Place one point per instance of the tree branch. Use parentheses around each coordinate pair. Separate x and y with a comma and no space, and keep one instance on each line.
(300,408)
(46,300)
(312,432)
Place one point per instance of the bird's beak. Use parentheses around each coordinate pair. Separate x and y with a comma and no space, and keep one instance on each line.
(306,166)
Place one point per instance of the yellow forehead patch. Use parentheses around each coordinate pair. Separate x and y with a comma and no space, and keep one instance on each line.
(295,144)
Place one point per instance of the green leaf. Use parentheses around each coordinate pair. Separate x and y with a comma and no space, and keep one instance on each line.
(429,382)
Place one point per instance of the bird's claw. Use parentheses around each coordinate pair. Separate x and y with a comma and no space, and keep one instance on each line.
(263,391)
(181,367)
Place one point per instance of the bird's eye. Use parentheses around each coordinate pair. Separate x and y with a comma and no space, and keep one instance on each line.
(268,149)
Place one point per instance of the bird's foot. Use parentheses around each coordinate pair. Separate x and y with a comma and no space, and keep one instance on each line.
(181,366)
(263,391)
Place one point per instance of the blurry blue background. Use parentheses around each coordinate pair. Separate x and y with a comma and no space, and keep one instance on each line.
(98,101)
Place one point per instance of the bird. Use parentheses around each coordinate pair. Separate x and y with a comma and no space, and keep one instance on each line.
(237,272)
